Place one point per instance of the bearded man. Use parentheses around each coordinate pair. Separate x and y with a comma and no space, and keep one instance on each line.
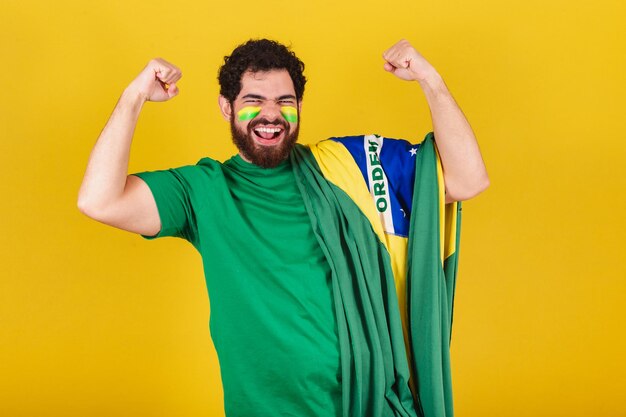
(324,264)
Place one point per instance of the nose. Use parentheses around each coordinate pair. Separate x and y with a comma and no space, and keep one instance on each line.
(271,111)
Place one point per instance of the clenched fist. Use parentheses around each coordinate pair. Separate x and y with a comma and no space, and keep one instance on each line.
(406,63)
(157,81)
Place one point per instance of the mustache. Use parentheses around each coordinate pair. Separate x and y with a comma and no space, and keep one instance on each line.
(276,122)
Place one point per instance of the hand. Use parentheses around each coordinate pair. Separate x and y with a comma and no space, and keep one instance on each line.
(403,61)
(157,81)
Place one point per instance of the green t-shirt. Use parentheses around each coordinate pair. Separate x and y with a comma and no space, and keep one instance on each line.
(272,319)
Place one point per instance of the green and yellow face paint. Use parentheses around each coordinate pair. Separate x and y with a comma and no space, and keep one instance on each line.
(248,113)
(290,113)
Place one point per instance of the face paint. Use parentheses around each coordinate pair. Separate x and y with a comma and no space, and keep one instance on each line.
(290,113)
(248,113)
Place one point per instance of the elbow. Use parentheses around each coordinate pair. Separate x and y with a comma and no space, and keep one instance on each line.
(84,206)
(81,203)
(88,207)
(481,184)
(467,189)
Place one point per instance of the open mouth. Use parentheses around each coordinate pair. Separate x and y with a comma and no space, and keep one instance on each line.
(267,135)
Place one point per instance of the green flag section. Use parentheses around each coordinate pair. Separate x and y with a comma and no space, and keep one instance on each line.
(376,371)
(431,284)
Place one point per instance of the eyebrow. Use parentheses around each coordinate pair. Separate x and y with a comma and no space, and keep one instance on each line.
(258,97)
(254,96)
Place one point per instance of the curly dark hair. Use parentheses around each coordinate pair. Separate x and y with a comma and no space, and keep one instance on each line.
(259,55)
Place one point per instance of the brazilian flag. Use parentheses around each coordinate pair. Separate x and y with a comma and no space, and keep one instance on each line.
(378,210)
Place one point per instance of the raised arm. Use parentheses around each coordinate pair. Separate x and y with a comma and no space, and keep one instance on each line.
(108,194)
(464,171)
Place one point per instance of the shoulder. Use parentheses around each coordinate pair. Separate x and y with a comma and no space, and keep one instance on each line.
(186,176)
(208,166)
(361,146)
(372,140)
(204,168)
(369,151)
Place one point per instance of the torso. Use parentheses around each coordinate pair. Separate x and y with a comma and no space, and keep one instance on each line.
(272,314)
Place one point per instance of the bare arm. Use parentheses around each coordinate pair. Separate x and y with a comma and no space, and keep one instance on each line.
(108,194)
(465,174)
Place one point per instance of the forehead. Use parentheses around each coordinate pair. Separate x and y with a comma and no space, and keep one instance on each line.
(269,84)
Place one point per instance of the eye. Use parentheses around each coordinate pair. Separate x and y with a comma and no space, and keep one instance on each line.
(252,100)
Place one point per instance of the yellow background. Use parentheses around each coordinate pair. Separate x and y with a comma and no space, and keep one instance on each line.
(98,322)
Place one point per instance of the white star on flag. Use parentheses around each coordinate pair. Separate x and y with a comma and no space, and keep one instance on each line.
(413,151)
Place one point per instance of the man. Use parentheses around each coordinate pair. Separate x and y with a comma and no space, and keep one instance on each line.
(299,265)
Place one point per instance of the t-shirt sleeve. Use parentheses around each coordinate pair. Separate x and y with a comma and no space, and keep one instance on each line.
(172,194)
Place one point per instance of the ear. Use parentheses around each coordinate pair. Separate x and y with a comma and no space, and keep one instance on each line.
(299,106)
(225,107)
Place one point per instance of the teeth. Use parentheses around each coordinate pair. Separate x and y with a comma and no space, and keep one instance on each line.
(268,129)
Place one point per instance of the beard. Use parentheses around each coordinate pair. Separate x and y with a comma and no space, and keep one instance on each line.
(265,156)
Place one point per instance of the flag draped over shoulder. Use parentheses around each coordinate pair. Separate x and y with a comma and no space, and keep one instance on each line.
(382,358)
